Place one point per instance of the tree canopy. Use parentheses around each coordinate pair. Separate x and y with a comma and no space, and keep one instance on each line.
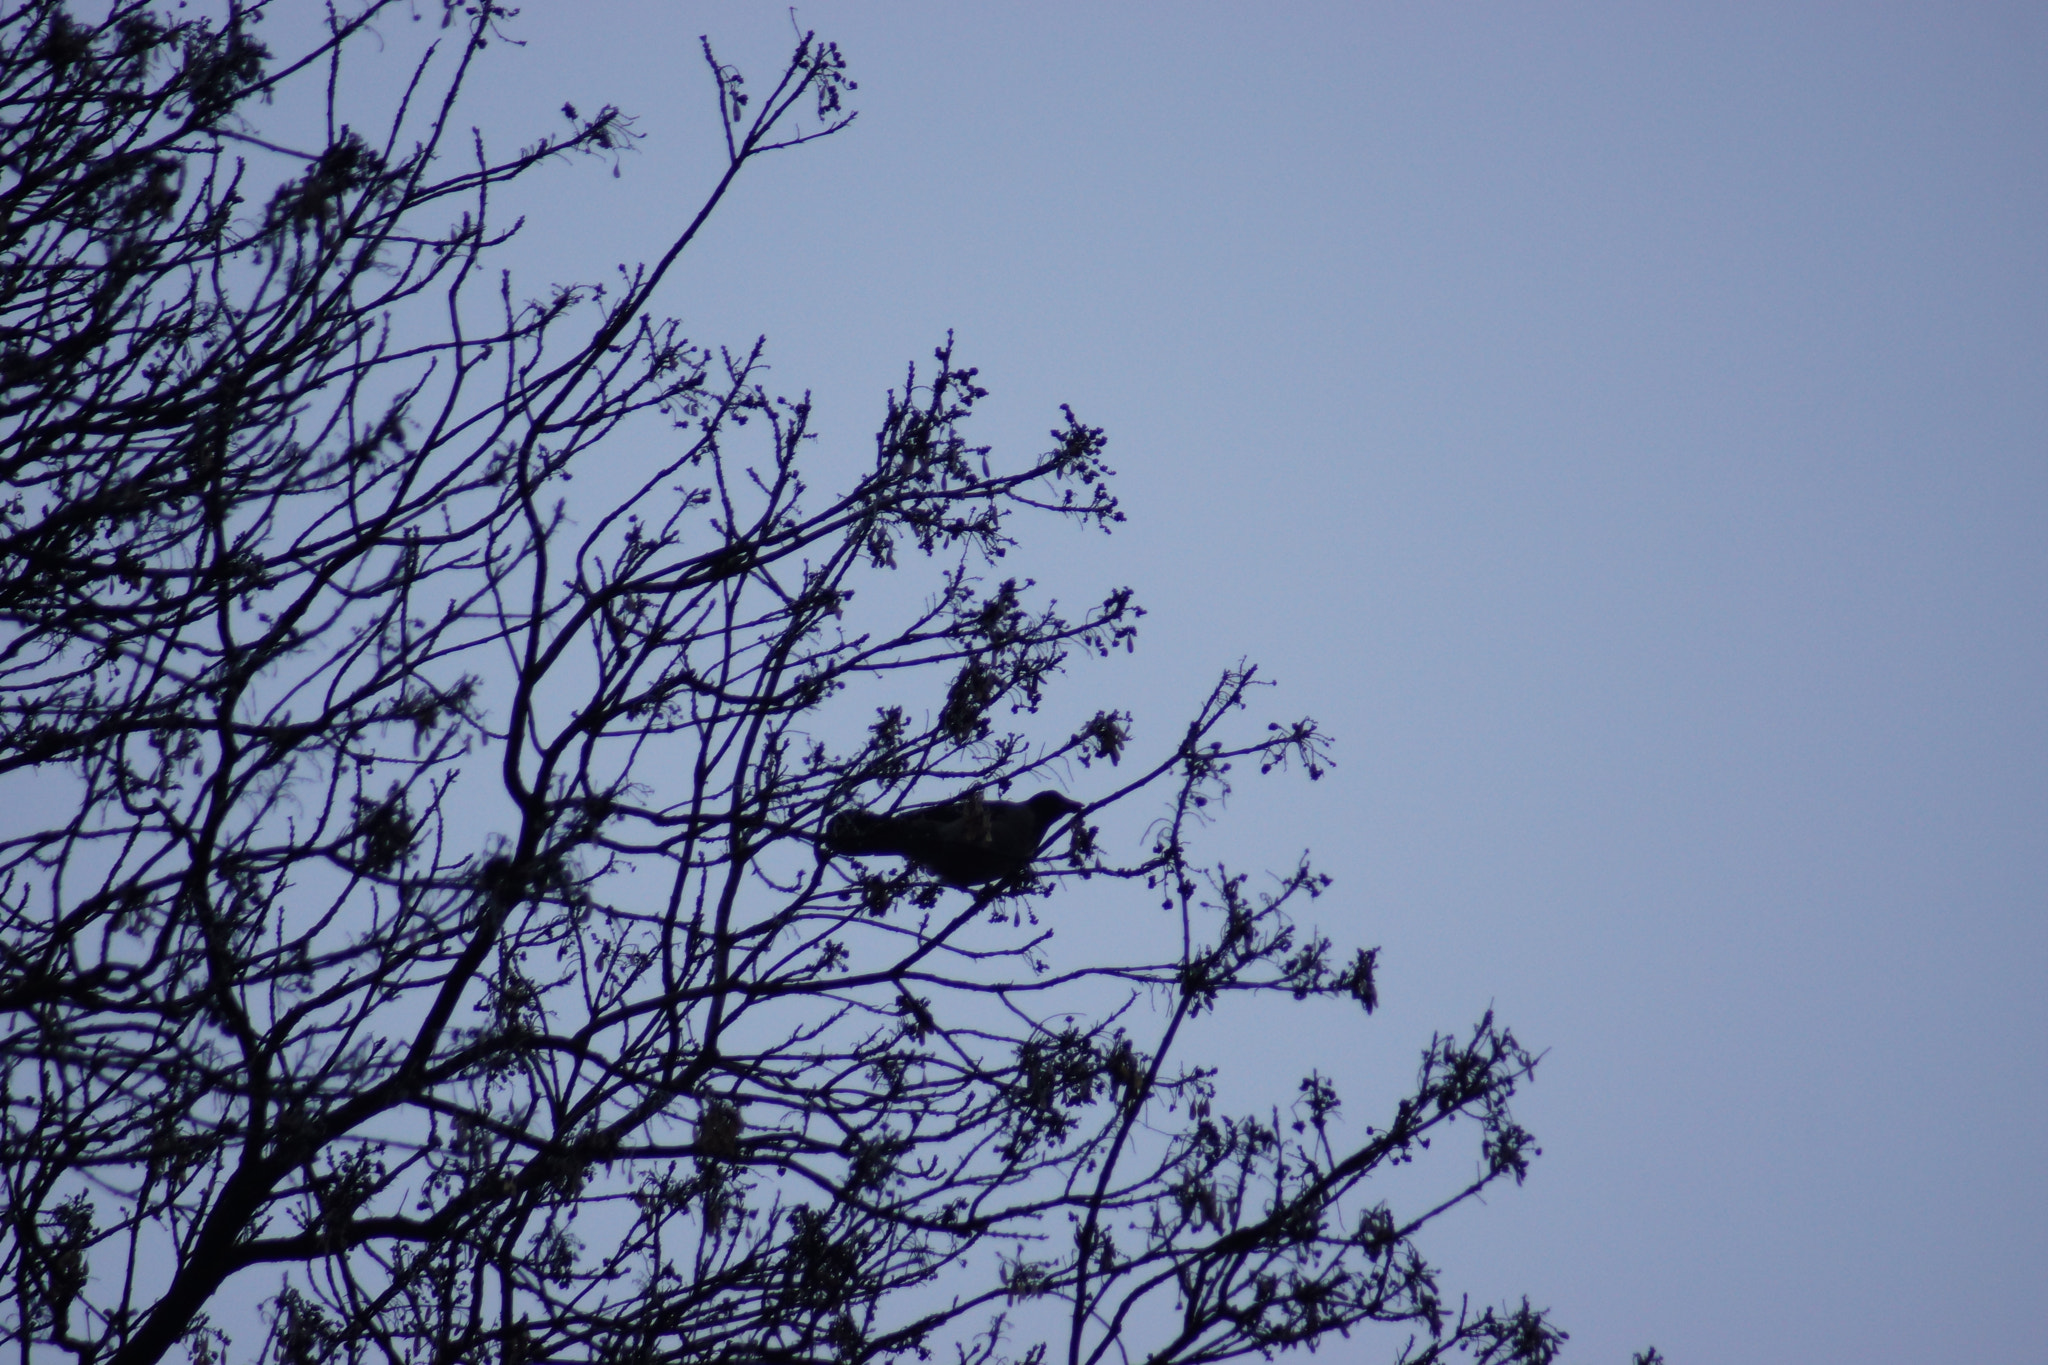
(420,936)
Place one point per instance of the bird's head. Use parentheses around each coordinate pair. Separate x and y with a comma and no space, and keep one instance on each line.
(1047,807)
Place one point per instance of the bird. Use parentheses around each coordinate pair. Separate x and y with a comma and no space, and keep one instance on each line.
(965,842)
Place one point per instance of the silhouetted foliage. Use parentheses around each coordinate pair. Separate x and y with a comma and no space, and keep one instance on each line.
(418,941)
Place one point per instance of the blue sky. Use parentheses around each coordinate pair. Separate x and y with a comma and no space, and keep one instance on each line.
(1626,429)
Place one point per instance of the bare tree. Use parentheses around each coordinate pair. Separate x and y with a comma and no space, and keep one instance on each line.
(420,938)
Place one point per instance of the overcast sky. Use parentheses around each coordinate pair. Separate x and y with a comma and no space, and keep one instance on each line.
(1626,429)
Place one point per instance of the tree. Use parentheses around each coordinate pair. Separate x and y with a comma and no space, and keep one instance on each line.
(420,940)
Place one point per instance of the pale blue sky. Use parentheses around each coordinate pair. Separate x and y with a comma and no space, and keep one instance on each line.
(1626,429)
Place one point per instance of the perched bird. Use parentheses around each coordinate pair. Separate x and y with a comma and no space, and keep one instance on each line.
(962,843)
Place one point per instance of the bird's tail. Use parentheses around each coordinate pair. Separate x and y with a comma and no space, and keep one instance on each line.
(864,833)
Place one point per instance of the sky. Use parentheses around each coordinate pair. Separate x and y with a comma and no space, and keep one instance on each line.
(1625,429)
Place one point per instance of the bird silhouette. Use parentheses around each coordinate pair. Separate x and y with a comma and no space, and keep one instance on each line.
(963,843)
